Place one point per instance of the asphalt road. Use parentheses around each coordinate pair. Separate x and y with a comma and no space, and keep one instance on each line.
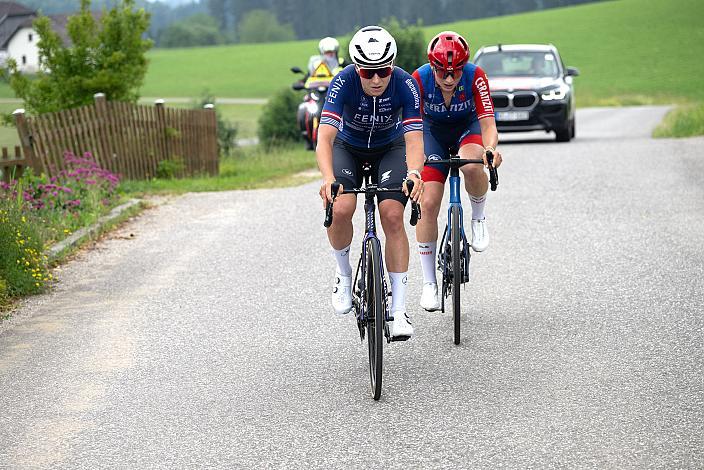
(206,339)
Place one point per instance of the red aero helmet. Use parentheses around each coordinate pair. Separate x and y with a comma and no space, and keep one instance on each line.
(448,51)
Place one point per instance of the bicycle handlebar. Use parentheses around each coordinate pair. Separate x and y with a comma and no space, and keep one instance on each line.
(458,162)
(335,189)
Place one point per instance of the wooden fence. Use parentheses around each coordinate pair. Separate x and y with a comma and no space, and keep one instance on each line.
(127,139)
(11,165)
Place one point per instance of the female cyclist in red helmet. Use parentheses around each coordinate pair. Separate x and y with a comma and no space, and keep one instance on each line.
(457,113)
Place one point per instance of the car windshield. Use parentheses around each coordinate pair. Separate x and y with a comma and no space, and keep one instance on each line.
(518,64)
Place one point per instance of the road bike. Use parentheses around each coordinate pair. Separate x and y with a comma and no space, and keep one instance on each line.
(454,253)
(369,290)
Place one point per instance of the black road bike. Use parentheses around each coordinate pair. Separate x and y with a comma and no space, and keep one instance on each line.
(369,289)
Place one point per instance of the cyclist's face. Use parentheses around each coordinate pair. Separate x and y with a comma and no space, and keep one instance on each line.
(447,82)
(375,86)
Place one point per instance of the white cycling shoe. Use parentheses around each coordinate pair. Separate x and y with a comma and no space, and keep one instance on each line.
(480,235)
(401,328)
(342,294)
(429,299)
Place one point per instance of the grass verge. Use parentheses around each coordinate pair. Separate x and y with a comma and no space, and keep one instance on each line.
(249,168)
(683,121)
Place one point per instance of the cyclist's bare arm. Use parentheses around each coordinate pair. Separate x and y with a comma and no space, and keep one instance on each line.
(323,152)
(490,137)
(415,158)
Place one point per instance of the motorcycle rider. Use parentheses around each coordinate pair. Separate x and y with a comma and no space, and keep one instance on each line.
(329,48)
(321,69)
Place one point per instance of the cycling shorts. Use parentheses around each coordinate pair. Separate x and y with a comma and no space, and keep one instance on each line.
(437,142)
(388,165)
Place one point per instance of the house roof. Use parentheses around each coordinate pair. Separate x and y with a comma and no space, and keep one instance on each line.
(13,16)
(14,9)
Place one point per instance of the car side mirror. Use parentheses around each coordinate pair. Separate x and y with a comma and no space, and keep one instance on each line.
(572,72)
(296,70)
(298,86)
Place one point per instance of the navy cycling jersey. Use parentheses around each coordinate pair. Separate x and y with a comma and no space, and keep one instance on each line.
(370,122)
(471,100)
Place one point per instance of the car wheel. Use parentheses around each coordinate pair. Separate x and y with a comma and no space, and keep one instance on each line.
(563,134)
(573,129)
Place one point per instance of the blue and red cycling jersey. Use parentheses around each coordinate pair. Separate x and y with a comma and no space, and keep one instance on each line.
(371,122)
(471,100)
(454,126)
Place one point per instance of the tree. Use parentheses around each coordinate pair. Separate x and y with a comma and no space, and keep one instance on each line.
(197,30)
(410,44)
(105,55)
(262,26)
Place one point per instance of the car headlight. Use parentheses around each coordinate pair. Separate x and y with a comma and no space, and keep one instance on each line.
(555,93)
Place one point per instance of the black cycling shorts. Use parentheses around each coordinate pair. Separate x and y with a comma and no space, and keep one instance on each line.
(388,166)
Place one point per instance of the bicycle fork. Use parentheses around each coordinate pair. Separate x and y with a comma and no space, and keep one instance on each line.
(445,253)
(360,282)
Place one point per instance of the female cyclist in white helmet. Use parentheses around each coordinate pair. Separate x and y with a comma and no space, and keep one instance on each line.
(372,114)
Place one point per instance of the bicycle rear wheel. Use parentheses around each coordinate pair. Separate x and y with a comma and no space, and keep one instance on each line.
(376,312)
(456,271)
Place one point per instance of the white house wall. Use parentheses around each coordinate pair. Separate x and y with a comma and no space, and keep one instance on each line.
(20,46)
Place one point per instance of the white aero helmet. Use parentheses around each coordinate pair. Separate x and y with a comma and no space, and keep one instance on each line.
(372,46)
(328,44)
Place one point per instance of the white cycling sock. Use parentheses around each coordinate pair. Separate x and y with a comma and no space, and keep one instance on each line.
(427,252)
(343,261)
(478,206)
(399,282)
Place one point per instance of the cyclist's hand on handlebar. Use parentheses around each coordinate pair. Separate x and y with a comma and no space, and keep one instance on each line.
(417,187)
(326,191)
(497,157)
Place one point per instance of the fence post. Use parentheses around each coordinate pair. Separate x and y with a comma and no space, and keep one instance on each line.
(163,134)
(26,140)
(107,144)
(212,139)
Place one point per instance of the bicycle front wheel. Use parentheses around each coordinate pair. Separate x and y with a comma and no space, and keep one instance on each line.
(456,271)
(376,312)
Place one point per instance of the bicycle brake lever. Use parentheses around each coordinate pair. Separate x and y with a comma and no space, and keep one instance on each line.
(493,174)
(415,208)
(335,187)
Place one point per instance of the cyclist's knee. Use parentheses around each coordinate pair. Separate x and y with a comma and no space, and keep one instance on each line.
(430,205)
(344,207)
(473,171)
(391,214)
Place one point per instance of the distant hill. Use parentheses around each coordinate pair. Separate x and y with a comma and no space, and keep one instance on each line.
(628,51)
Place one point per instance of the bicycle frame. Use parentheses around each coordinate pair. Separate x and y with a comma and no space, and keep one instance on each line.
(455,201)
(369,233)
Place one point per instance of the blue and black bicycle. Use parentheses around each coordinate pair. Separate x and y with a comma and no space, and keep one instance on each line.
(454,253)
(369,289)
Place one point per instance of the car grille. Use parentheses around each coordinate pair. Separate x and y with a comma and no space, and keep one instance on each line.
(500,101)
(521,100)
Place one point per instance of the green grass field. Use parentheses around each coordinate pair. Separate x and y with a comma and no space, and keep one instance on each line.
(628,51)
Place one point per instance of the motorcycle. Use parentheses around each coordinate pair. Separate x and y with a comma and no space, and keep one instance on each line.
(308,114)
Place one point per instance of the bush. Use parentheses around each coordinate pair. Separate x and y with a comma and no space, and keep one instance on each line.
(262,26)
(227,131)
(170,169)
(74,198)
(277,123)
(23,266)
(196,30)
(410,43)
